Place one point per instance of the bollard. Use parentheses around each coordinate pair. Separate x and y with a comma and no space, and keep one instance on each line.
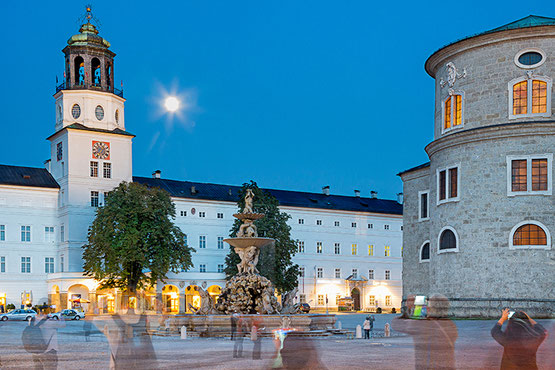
(358,332)
(339,325)
(167,324)
(387,330)
(183,332)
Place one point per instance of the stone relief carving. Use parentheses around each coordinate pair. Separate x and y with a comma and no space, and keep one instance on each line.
(452,75)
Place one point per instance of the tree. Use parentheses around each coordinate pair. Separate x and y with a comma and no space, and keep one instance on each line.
(274,263)
(133,242)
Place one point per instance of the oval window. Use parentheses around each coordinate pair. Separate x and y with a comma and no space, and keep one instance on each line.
(76,111)
(530,58)
(99,112)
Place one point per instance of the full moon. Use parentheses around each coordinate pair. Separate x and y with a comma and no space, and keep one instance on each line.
(171,103)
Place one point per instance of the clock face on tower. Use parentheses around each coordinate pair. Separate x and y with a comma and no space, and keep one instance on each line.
(100,150)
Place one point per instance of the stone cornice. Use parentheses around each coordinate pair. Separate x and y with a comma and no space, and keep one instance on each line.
(504,130)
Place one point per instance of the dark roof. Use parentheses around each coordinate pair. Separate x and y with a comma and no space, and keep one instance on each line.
(78,126)
(27,176)
(427,164)
(229,193)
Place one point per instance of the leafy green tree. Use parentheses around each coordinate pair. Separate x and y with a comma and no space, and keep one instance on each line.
(274,263)
(133,242)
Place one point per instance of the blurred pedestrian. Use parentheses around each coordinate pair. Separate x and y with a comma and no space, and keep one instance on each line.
(242,330)
(87,326)
(41,340)
(234,319)
(256,337)
(520,340)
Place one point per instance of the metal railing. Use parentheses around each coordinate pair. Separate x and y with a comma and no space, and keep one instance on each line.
(62,86)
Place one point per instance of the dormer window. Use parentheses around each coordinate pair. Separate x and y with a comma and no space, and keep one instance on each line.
(452,111)
(530,97)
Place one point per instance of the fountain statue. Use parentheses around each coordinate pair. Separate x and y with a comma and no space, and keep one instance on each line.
(248,292)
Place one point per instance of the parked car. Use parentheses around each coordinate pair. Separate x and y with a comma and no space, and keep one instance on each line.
(18,314)
(69,314)
(305,307)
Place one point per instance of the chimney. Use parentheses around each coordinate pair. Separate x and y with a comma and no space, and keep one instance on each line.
(326,190)
(47,165)
(357,193)
(156,174)
(374,194)
(400,198)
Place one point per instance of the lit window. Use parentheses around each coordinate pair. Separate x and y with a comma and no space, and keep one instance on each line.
(371,274)
(448,240)
(202,214)
(220,215)
(301,246)
(48,265)
(319,222)
(387,251)
(25,233)
(447,184)
(354,249)
(530,234)
(107,170)
(353,224)
(529,97)
(25,265)
(372,300)
(94,198)
(49,234)
(387,274)
(423,206)
(337,298)
(301,221)
(338,273)
(220,242)
(202,268)
(202,241)
(354,272)
(301,271)
(2,264)
(370,250)
(452,112)
(336,223)
(425,252)
(529,175)
(220,268)
(318,247)
(320,299)
(320,272)
(2,233)
(94,169)
(337,248)
(388,300)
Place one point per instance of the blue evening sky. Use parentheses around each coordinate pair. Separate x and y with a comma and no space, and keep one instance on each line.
(292,94)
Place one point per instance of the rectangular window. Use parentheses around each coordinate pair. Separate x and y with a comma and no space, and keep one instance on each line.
(319,272)
(301,246)
(202,214)
(320,299)
(49,234)
(370,226)
(319,247)
(202,241)
(61,263)
(447,114)
(457,119)
(448,184)
(202,268)
(220,242)
(353,224)
(107,170)
(48,265)
(94,198)
(388,300)
(372,300)
(220,215)
(2,264)
(302,298)
(387,274)
(387,251)
(25,265)
(386,227)
(337,248)
(423,206)
(319,222)
(370,250)
(520,98)
(336,223)
(354,249)
(301,271)
(529,174)
(94,169)
(337,298)
(2,233)
(220,268)
(370,274)
(301,221)
(62,233)
(354,272)
(539,96)
(183,213)
(185,238)
(338,273)
(25,233)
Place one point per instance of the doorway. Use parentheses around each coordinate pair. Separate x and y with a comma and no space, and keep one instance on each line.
(355,294)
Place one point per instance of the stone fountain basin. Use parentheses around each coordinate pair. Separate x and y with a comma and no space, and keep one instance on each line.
(243,243)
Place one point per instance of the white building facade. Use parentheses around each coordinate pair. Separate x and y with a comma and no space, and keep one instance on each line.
(348,246)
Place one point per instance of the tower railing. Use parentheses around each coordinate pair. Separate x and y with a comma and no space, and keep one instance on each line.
(62,86)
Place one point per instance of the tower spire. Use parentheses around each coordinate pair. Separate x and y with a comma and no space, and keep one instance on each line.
(88,17)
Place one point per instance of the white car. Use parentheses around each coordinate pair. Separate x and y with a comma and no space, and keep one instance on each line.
(18,314)
(68,314)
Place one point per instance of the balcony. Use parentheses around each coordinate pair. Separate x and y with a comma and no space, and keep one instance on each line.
(62,86)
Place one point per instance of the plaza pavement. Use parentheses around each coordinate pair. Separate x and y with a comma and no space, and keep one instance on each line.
(475,349)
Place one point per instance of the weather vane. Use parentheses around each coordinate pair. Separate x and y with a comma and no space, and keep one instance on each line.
(88,17)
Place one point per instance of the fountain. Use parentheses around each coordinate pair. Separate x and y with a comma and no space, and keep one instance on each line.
(248,292)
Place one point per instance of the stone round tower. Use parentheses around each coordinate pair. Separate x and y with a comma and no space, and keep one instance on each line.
(479,217)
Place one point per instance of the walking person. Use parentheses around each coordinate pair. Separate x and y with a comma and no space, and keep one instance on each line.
(520,340)
(242,329)
(256,337)
(366,326)
(234,319)
(372,319)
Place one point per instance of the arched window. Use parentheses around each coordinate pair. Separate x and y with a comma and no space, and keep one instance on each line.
(79,65)
(425,251)
(530,234)
(452,111)
(95,72)
(448,240)
(529,97)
